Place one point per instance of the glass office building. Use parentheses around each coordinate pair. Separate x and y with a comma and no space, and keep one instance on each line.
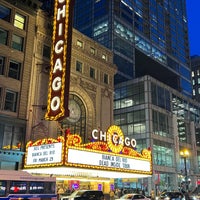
(163,119)
(148,37)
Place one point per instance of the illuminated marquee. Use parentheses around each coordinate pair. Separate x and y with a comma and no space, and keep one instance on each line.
(45,152)
(57,106)
(110,151)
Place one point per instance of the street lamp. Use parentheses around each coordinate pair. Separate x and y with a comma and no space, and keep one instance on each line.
(185,153)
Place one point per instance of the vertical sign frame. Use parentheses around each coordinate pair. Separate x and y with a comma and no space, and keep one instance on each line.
(59,80)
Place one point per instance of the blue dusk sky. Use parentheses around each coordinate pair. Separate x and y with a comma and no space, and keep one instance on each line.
(193,13)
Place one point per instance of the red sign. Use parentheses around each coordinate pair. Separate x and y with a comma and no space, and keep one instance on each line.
(57,106)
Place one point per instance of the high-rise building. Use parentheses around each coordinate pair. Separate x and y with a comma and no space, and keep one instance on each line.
(195,66)
(153,89)
(147,37)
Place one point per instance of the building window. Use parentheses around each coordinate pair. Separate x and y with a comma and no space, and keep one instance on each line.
(3,36)
(79,43)
(19,21)
(192,73)
(79,66)
(5,13)
(92,50)
(198,90)
(14,70)
(2,62)
(198,80)
(12,137)
(197,72)
(105,78)
(17,42)
(92,72)
(46,51)
(193,82)
(10,101)
(104,57)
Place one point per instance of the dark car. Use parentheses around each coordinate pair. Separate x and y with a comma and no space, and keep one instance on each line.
(85,195)
(133,196)
(171,196)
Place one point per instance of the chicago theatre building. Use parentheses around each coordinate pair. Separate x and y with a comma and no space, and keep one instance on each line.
(78,149)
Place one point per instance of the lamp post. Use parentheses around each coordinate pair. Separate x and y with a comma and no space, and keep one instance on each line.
(185,153)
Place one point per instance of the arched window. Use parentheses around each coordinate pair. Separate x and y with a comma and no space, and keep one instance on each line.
(76,122)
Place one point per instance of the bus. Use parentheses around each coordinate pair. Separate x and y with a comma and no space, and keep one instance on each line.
(19,185)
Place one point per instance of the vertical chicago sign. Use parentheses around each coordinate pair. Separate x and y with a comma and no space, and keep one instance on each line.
(59,80)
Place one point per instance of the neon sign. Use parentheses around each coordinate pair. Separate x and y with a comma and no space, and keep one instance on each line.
(115,138)
(57,106)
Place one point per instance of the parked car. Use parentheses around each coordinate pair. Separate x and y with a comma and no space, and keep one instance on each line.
(171,196)
(133,196)
(84,195)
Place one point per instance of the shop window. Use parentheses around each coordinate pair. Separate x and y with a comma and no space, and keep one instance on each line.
(92,72)
(46,51)
(79,66)
(17,42)
(3,36)
(5,13)
(19,21)
(14,70)
(10,101)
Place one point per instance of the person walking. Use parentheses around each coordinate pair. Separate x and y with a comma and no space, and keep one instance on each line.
(112,195)
(152,194)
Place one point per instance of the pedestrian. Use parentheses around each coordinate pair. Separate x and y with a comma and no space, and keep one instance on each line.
(112,195)
(152,194)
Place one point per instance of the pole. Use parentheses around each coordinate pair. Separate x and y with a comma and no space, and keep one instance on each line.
(186,178)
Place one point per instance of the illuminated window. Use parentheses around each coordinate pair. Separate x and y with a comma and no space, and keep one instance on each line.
(92,50)
(12,137)
(19,21)
(92,73)
(79,43)
(3,36)
(104,57)
(10,101)
(79,66)
(17,42)
(198,80)
(192,73)
(14,70)
(198,72)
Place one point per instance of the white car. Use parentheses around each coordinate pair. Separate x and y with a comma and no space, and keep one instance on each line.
(133,196)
